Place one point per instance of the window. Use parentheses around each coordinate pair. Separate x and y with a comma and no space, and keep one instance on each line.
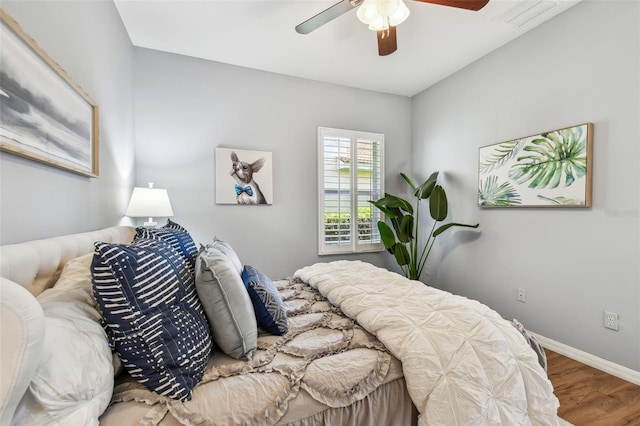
(350,173)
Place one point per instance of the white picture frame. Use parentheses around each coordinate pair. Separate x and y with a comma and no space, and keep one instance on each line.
(235,186)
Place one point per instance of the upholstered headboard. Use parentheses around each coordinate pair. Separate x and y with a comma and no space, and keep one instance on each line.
(36,265)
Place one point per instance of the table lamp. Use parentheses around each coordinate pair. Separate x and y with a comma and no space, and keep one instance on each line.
(149,202)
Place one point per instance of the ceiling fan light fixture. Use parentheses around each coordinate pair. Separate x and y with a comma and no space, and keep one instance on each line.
(380,14)
(379,23)
(368,11)
(383,16)
(400,15)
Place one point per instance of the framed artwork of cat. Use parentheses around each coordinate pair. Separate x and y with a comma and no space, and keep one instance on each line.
(243,177)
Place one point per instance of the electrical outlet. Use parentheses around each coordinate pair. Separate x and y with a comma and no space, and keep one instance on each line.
(522,295)
(611,320)
(427,270)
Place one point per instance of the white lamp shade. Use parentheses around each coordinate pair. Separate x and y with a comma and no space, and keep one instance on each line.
(149,202)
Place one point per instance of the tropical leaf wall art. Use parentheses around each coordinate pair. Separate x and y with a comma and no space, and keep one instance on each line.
(502,153)
(551,169)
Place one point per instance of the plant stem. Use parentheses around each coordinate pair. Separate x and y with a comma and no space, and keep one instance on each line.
(425,252)
(415,243)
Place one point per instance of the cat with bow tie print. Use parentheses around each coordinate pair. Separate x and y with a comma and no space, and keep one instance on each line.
(247,189)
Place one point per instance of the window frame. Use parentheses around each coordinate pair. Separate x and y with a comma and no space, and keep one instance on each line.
(355,245)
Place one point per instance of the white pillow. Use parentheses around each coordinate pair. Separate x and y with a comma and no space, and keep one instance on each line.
(21,341)
(73,383)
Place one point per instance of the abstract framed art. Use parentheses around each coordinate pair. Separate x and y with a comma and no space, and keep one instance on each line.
(244,177)
(44,115)
(550,169)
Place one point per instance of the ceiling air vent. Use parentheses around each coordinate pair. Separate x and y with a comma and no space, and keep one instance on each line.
(524,12)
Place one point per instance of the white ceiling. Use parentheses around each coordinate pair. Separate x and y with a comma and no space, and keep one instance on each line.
(434,42)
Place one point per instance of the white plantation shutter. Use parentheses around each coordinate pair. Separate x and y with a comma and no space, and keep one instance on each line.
(350,172)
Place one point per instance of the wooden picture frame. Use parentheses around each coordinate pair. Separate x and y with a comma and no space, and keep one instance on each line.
(44,115)
(550,169)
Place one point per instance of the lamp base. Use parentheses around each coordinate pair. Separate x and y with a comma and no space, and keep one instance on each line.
(150,224)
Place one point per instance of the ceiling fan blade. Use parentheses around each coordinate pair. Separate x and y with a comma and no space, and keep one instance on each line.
(387,42)
(461,4)
(327,15)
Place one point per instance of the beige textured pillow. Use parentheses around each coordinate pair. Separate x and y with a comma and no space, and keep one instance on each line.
(226,303)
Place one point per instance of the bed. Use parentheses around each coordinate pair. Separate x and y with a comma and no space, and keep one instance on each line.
(337,343)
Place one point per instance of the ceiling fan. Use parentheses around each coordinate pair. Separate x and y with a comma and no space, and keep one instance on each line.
(381,16)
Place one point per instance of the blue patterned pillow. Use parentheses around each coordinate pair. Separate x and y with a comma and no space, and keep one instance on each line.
(176,236)
(175,226)
(154,319)
(267,303)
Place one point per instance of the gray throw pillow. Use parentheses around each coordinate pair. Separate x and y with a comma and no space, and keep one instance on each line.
(227,250)
(226,303)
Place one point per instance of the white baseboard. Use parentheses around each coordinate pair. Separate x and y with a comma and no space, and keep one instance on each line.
(617,370)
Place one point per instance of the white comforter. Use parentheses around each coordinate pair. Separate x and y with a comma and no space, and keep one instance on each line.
(463,363)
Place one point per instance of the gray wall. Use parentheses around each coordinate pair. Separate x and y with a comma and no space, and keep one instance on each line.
(186,107)
(574,263)
(89,41)
(581,66)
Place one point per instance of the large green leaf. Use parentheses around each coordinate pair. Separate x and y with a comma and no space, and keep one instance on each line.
(401,254)
(405,229)
(443,228)
(424,191)
(395,222)
(438,206)
(391,201)
(554,158)
(409,181)
(388,239)
(390,213)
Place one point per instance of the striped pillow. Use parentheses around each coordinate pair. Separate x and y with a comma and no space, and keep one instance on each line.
(175,226)
(176,236)
(147,296)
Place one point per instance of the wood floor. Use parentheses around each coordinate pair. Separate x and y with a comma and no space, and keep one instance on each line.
(590,397)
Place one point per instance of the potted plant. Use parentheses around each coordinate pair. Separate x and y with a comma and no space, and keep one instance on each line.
(402,239)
